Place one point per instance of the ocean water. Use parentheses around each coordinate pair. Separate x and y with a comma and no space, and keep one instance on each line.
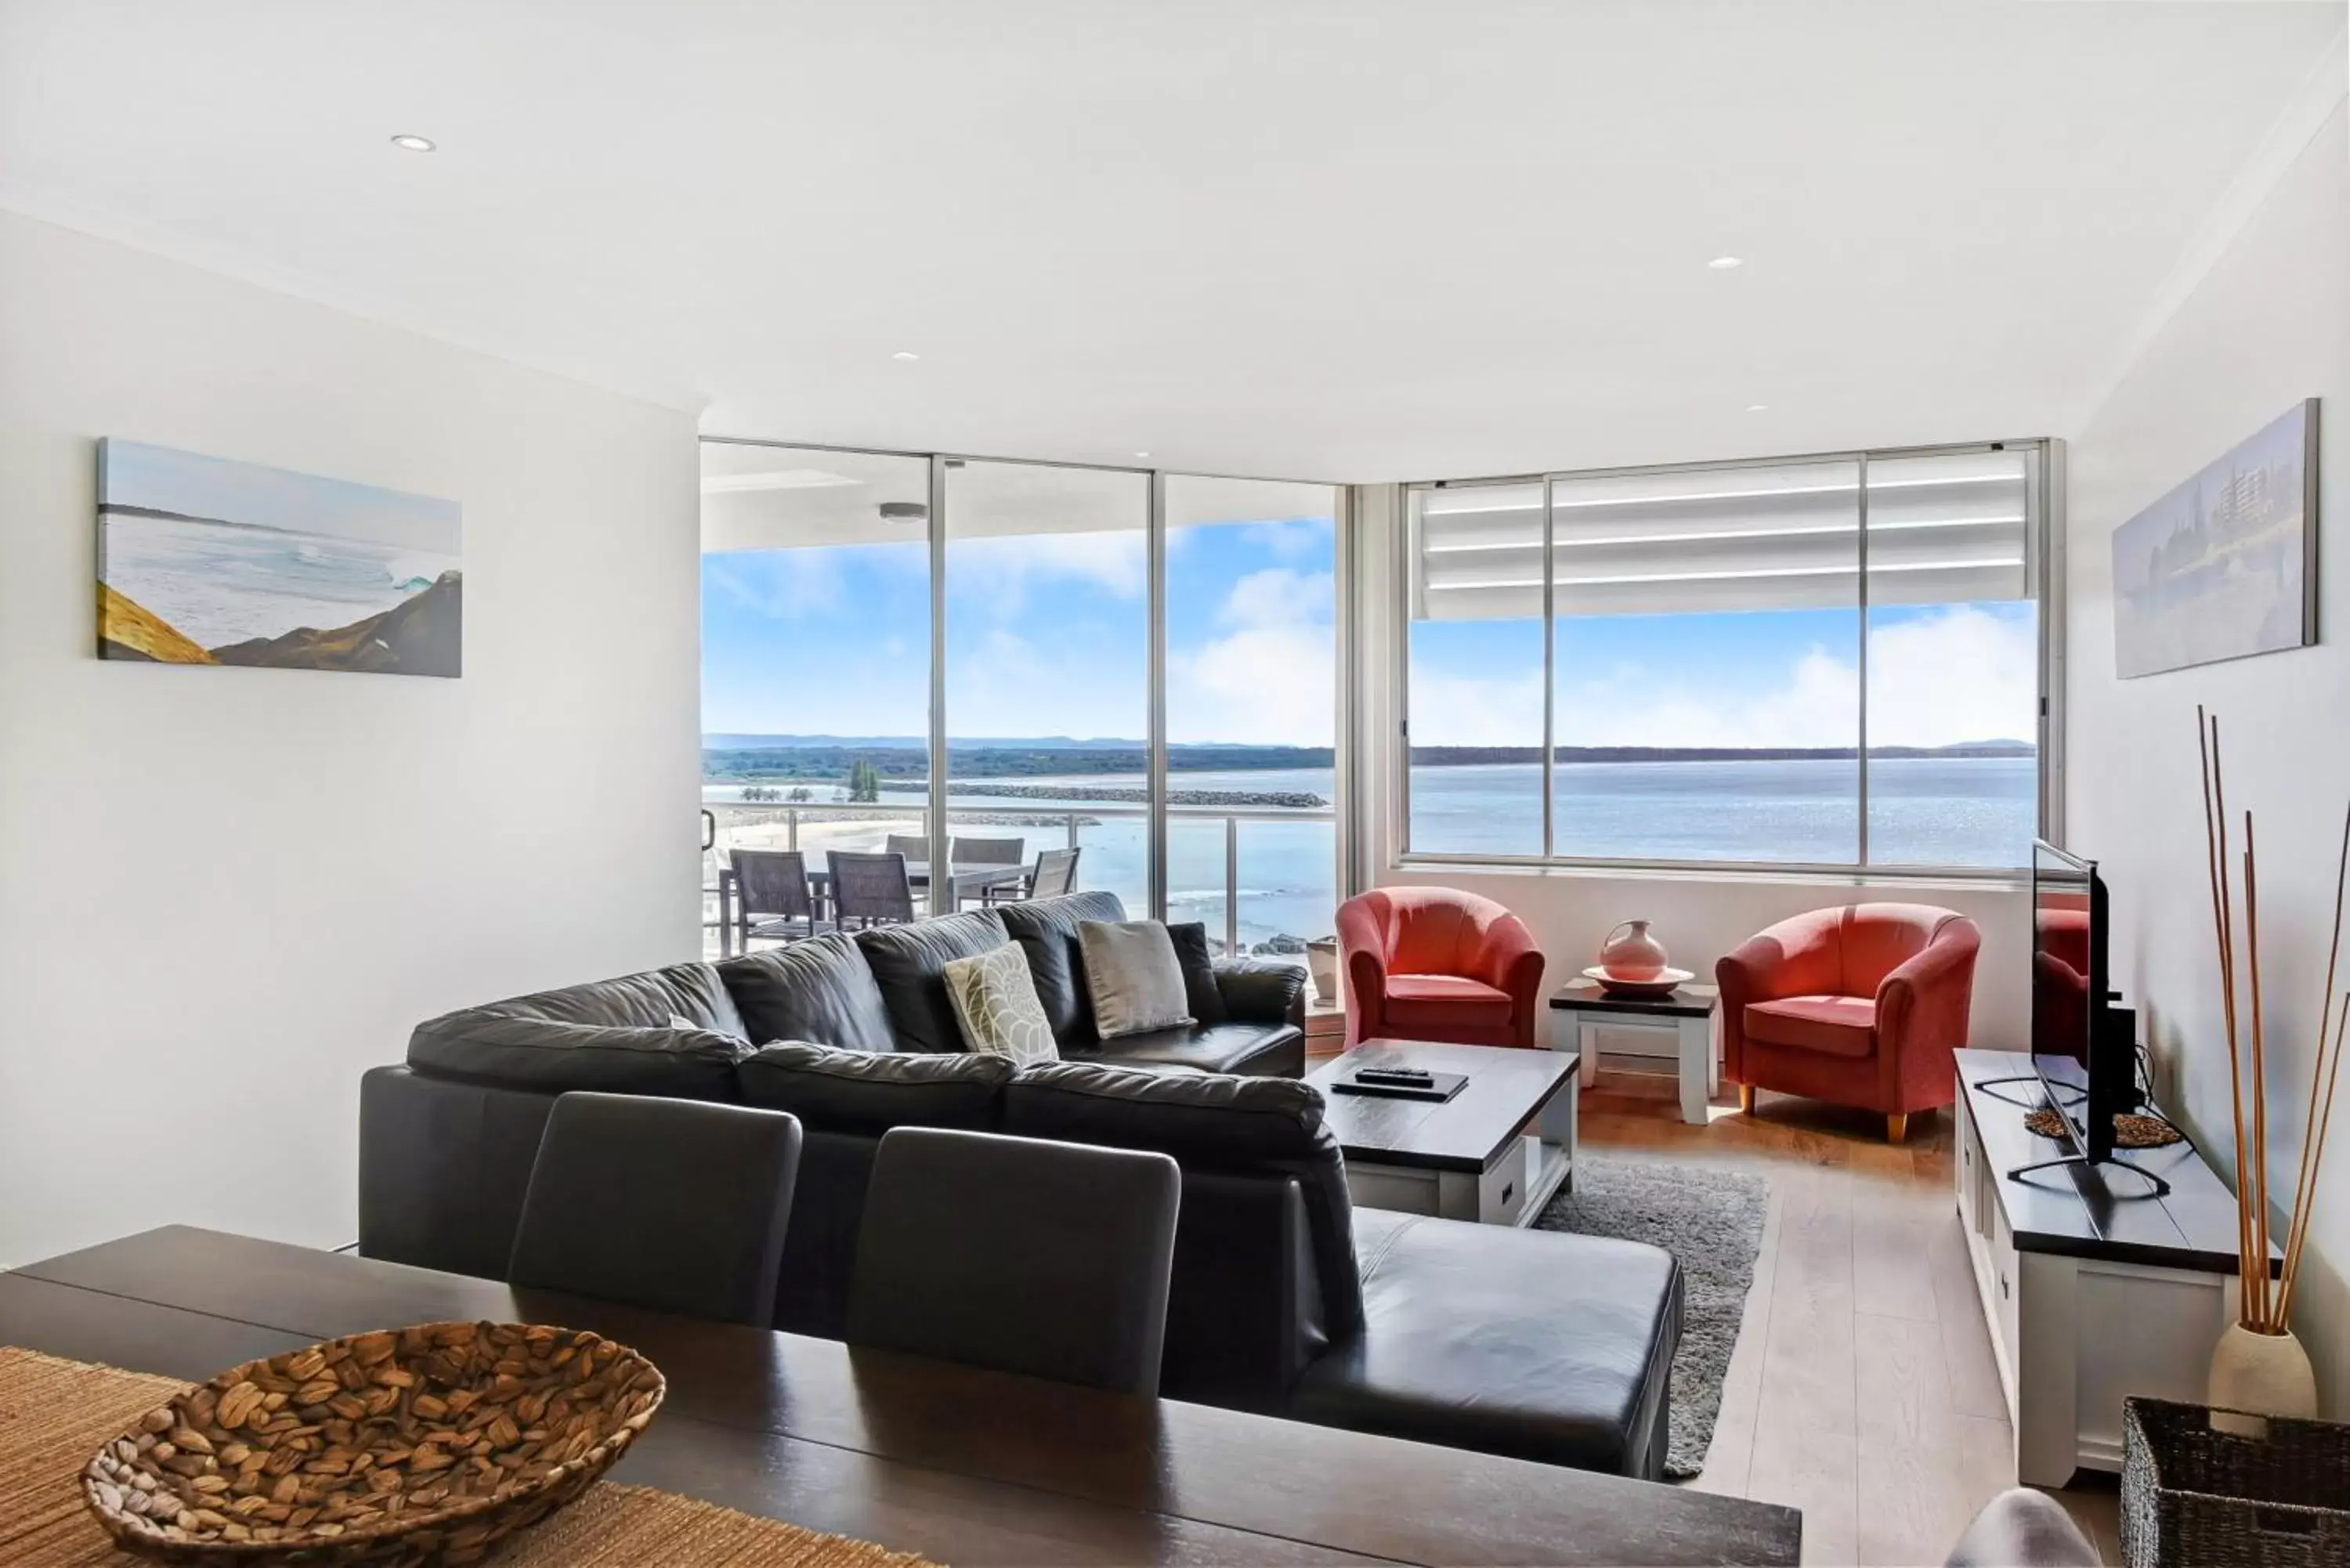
(220,584)
(1928,811)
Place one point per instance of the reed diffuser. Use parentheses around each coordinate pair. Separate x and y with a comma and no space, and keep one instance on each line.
(2258,1367)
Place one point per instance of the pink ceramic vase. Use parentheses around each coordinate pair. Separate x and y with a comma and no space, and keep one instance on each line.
(1634,954)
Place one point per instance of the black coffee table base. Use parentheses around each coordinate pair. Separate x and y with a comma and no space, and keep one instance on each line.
(1495,1154)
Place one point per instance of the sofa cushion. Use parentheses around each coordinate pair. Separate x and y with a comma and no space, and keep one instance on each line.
(996,1008)
(908,964)
(1532,1344)
(1258,1049)
(1046,930)
(1203,999)
(1832,1025)
(821,990)
(501,1049)
(1437,1000)
(863,1092)
(1208,1123)
(1130,971)
(647,999)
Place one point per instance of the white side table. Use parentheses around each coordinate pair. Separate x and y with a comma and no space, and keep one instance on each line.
(1581,1006)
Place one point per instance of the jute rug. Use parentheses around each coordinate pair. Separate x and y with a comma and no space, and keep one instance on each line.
(54,1415)
(1710,1220)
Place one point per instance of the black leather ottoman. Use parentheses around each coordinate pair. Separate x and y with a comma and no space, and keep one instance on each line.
(1532,1344)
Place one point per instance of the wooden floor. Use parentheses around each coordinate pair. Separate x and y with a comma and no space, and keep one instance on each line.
(1863,1389)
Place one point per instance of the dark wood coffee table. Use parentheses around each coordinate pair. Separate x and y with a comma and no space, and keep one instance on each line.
(1493,1153)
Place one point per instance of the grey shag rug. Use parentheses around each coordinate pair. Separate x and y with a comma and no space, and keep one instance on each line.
(1710,1220)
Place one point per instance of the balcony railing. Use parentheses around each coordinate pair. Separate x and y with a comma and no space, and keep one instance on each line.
(1300,877)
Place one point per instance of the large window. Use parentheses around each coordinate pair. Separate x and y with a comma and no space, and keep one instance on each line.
(1829,662)
(1050,637)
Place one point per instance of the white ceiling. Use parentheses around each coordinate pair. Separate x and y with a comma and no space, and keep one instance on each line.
(1328,239)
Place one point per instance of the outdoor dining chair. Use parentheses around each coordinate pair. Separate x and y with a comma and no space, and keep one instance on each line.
(870,889)
(772,902)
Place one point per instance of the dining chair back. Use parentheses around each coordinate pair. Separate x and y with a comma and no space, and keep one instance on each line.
(987,851)
(1018,1254)
(1055,874)
(870,889)
(912,845)
(614,1172)
(774,898)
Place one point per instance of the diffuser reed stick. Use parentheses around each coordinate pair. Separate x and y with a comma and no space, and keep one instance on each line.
(2215,841)
(2266,1301)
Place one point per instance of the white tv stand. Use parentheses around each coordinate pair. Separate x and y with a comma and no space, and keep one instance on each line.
(2091,1292)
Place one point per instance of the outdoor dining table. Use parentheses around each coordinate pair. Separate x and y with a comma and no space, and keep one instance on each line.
(970,881)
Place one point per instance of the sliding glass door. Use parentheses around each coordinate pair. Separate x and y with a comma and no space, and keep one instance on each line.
(1046,665)
(1139,667)
(1251,664)
(815,653)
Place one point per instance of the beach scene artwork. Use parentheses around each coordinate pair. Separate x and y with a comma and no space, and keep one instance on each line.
(206,560)
(2221,566)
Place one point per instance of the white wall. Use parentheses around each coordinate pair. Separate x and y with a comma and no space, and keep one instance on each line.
(1698,917)
(223,893)
(2267,326)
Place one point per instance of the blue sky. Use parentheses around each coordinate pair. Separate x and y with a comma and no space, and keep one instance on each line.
(133,473)
(1045,636)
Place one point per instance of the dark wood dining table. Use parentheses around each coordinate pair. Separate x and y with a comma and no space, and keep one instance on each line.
(964,1466)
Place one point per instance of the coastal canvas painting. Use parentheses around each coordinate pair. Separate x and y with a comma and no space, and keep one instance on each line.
(206,560)
(2221,566)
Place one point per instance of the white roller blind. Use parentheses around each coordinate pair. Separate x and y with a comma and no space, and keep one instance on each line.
(1781,535)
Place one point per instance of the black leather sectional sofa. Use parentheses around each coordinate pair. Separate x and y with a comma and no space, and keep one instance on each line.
(1284,1298)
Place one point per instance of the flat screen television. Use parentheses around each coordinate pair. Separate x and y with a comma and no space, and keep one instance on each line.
(2082,1045)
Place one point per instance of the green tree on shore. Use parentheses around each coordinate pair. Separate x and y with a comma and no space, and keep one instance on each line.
(864,781)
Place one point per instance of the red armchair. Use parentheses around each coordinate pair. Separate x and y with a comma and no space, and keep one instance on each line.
(1432,963)
(1861,1006)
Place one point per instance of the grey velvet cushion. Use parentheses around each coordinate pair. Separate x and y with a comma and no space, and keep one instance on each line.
(1133,977)
(1046,930)
(868,1094)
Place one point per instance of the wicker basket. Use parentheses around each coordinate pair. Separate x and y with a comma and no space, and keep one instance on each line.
(407,1447)
(2191,1495)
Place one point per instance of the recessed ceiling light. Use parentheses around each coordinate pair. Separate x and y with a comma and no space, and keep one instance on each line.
(905,354)
(1758,407)
(1726,263)
(1142,454)
(414,143)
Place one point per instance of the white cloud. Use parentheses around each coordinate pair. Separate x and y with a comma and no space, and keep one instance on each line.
(1961,675)
(997,573)
(1957,675)
(1290,541)
(1005,685)
(782,585)
(1270,679)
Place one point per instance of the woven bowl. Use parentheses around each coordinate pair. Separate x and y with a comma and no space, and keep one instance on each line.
(406,1447)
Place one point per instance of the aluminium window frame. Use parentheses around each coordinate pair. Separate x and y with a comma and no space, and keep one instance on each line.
(2043,556)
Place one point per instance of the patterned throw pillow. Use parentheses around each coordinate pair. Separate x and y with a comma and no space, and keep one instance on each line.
(995,1004)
